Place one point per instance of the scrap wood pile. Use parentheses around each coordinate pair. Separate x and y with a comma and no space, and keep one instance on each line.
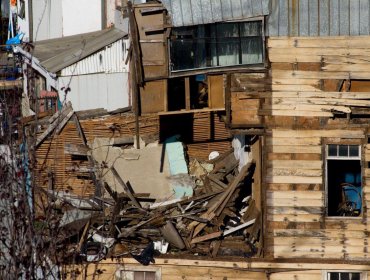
(219,220)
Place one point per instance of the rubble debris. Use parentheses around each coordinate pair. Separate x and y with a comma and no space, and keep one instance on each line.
(219,220)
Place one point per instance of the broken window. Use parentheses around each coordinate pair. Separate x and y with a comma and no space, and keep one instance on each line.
(343,180)
(344,276)
(217,45)
(196,92)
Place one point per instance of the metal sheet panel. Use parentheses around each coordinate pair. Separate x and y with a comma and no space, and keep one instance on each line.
(354,18)
(334,17)
(324,17)
(344,17)
(106,90)
(314,17)
(318,18)
(303,18)
(109,60)
(188,16)
(193,12)
(47,19)
(197,11)
(364,17)
(237,8)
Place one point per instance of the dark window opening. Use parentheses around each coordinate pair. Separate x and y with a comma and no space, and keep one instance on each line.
(197,96)
(344,276)
(217,45)
(344,187)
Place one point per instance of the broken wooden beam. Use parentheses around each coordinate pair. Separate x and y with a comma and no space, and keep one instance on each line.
(74,149)
(58,120)
(125,187)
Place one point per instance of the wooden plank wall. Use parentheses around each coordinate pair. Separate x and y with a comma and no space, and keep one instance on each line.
(105,271)
(246,90)
(298,115)
(51,157)
(168,272)
(208,131)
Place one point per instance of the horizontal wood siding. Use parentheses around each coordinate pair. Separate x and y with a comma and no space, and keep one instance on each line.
(306,94)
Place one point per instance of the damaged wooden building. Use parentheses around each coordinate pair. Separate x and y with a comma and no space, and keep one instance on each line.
(281,91)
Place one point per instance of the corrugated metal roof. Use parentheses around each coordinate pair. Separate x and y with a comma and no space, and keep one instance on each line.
(57,54)
(108,60)
(319,18)
(194,12)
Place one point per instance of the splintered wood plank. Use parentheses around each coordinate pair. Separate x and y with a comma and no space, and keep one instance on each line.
(340,75)
(294,187)
(307,105)
(320,51)
(294,202)
(318,94)
(327,43)
(294,113)
(294,172)
(297,275)
(293,164)
(293,180)
(340,133)
(295,149)
(295,194)
(295,218)
(320,101)
(295,210)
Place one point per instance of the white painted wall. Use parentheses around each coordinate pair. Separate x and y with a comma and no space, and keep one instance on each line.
(4,6)
(103,90)
(59,18)
(23,23)
(47,19)
(81,16)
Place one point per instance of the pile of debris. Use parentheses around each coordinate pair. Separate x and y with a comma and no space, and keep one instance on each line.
(220,219)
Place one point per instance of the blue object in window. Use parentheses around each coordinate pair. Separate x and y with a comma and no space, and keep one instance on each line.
(352,194)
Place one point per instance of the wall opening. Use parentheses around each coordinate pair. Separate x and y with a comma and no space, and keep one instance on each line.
(343,180)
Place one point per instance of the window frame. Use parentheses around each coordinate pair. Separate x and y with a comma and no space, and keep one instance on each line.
(327,157)
(363,274)
(215,69)
(137,268)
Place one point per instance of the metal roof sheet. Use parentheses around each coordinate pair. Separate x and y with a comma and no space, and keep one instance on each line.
(56,54)
(319,18)
(193,12)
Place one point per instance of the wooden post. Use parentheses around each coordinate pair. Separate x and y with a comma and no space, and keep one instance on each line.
(187,93)
(135,69)
(228,100)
